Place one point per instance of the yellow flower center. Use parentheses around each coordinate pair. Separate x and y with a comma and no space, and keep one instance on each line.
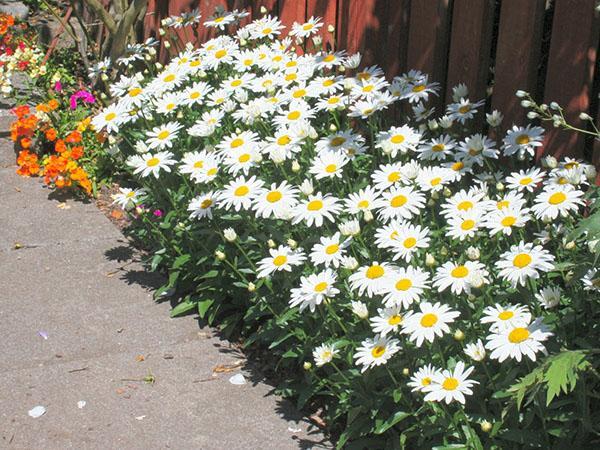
(409,242)
(525,181)
(241,191)
(508,221)
(464,109)
(328,82)
(294,115)
(363,76)
(368,88)
(393,177)
(331,168)
(467,225)
(280,260)
(375,271)
(277,58)
(502,204)
(459,272)
(428,320)
(206,203)
(523,139)
(557,198)
(404,284)
(291,64)
(518,335)
(522,260)
(457,166)
(465,206)
(236,83)
(363,204)
(291,76)
(505,315)
(438,148)
(331,249)
(474,151)
(219,19)
(337,141)
(299,93)
(169,78)
(212,171)
(398,201)
(329,58)
(436,181)
(395,319)
(426,381)
(267,30)
(198,164)
(194,95)
(236,143)
(307,26)
(333,100)
(314,205)
(320,287)
(163,134)
(274,196)
(130,194)
(284,140)
(170,106)
(571,164)
(418,88)
(110,116)
(247,62)
(397,139)
(378,351)
(450,384)
(152,162)
(244,158)
(135,92)
(220,53)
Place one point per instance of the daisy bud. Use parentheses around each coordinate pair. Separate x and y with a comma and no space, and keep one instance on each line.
(271,243)
(202,74)
(429,260)
(112,140)
(521,94)
(494,119)
(158,65)
(584,116)
(220,255)
(263,10)
(459,91)
(243,42)
(148,58)
(341,68)
(350,228)
(475,351)
(152,51)
(307,187)
(526,103)
(445,122)
(554,105)
(444,251)
(292,243)
(307,365)
(368,216)
(330,28)
(532,115)
(104,77)
(447,192)
(162,31)
(317,40)
(590,172)
(333,128)
(556,123)
(251,287)
(499,186)
(230,234)
(405,372)
(473,253)
(431,202)
(145,72)
(167,44)
(295,166)
(432,124)
(546,219)
(350,263)
(360,309)
(459,336)
(486,426)
(521,156)
(435,195)
(139,210)
(570,245)
(180,115)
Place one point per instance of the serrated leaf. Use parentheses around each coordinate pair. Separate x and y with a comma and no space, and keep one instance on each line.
(562,372)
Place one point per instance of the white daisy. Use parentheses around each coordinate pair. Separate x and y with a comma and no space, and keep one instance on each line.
(521,140)
(201,206)
(404,286)
(149,163)
(402,202)
(314,289)
(370,279)
(430,322)
(514,342)
(388,320)
(127,198)
(240,193)
(556,201)
(361,201)
(328,165)
(163,136)
(449,386)
(398,139)
(375,352)
(329,251)
(524,261)
(316,208)
(277,201)
(324,354)
(525,179)
(457,276)
(549,297)
(282,258)
(475,350)
(502,317)
(422,378)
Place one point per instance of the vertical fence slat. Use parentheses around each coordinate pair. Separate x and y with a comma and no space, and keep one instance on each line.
(292,11)
(396,32)
(270,5)
(517,56)
(428,39)
(327,10)
(468,60)
(570,71)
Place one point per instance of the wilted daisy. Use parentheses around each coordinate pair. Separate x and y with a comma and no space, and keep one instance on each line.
(404,286)
(475,351)
(549,297)
(524,261)
(149,163)
(313,290)
(329,251)
(127,198)
(375,352)
(502,317)
(316,208)
(282,258)
(422,378)
(431,321)
(514,342)
(201,206)
(456,276)
(525,179)
(521,140)
(324,354)
(556,201)
(451,386)
(163,136)
(370,279)
(388,320)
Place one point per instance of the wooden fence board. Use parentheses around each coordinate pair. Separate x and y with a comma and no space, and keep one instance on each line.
(428,39)
(396,31)
(327,10)
(570,74)
(270,5)
(468,60)
(291,11)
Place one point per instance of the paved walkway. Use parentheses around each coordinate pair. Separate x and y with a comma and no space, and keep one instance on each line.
(73,281)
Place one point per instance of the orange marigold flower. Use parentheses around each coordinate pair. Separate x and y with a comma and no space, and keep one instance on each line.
(51,134)
(25,142)
(53,104)
(42,107)
(74,137)
(60,146)
(77,152)
(21,111)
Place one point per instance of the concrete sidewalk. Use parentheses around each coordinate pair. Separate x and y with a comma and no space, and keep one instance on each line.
(73,280)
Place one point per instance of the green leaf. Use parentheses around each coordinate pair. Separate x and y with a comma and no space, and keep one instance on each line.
(203,307)
(210,274)
(182,308)
(391,421)
(155,262)
(181,260)
(562,372)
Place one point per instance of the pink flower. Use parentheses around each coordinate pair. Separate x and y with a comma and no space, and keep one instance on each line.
(82,94)
(58,86)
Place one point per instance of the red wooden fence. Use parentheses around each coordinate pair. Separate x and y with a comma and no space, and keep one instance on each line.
(495,47)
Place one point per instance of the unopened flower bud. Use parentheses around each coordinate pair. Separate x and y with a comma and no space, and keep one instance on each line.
(405,372)
(368,215)
(350,263)
(459,336)
(473,253)
(584,116)
(230,234)
(500,186)
(104,77)
(307,187)
(532,115)
(333,128)
(570,245)
(521,94)
(429,260)
(307,365)
(295,166)
(263,10)
(330,28)
(251,287)
(360,309)
(271,243)
(292,243)
(162,31)
(447,192)
(167,44)
(486,426)
(526,103)
(444,251)
(220,255)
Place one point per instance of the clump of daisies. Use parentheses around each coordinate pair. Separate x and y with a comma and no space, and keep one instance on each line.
(413,261)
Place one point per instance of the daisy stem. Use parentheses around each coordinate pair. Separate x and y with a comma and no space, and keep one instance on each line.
(335,316)
(392,376)
(337,369)
(236,243)
(438,348)
(489,375)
